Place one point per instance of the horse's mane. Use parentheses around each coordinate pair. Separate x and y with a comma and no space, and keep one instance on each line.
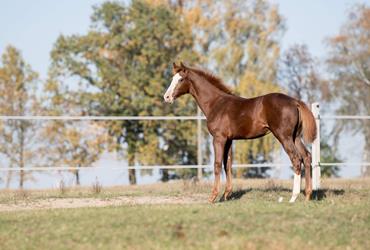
(214,80)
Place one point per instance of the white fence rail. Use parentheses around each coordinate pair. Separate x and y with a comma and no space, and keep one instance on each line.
(102,118)
(198,118)
(143,167)
(316,164)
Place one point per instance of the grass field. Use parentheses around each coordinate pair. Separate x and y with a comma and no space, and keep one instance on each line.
(253,220)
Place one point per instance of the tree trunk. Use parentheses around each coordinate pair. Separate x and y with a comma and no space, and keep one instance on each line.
(21,179)
(165,176)
(365,170)
(131,172)
(77,176)
(8,179)
(21,159)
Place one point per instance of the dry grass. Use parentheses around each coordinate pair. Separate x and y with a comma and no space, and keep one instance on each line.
(62,187)
(173,189)
(96,187)
(254,220)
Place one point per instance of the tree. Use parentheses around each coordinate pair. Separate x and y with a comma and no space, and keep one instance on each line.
(18,97)
(328,153)
(349,63)
(245,53)
(240,41)
(299,74)
(123,62)
(70,143)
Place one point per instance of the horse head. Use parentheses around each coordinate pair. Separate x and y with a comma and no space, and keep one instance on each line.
(180,83)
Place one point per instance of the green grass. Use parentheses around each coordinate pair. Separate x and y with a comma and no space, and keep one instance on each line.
(254,221)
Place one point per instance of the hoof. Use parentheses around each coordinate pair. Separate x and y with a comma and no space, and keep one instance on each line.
(293,199)
(225,196)
(212,198)
(308,197)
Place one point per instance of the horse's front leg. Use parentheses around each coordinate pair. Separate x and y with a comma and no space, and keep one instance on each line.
(228,170)
(219,146)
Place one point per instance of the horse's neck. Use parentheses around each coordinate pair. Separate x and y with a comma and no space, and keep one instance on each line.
(206,95)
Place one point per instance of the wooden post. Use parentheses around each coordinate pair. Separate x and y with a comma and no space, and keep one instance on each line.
(199,144)
(316,169)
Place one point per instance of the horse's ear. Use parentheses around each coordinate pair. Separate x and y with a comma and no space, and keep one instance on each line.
(175,68)
(184,68)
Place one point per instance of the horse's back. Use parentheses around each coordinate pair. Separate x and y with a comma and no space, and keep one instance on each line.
(278,97)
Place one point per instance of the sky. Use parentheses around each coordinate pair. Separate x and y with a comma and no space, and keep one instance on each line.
(33,26)
(312,21)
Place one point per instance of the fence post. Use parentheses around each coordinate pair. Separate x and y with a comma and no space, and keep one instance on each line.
(199,144)
(316,170)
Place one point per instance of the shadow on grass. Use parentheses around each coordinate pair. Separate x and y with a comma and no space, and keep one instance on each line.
(323,193)
(238,194)
(317,195)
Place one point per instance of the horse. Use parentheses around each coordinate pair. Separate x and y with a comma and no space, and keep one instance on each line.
(231,117)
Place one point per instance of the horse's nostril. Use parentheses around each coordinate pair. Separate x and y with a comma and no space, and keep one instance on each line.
(167,96)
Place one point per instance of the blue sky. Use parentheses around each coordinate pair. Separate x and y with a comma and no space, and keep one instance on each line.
(33,26)
(312,21)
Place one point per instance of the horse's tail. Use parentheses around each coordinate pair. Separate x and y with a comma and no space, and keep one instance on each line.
(308,122)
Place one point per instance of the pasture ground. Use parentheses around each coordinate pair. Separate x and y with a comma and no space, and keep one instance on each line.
(176,216)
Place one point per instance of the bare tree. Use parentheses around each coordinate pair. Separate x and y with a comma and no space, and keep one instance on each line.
(17,87)
(300,76)
(349,63)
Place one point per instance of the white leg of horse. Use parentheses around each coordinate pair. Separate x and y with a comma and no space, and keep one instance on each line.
(296,187)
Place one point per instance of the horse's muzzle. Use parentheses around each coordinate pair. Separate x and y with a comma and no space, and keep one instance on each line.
(168,99)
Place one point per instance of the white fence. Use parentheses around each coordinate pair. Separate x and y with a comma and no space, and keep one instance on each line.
(198,118)
(316,164)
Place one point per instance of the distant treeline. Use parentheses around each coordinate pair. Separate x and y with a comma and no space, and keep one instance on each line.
(121,66)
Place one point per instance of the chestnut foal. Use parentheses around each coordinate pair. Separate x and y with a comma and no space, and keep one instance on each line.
(230,117)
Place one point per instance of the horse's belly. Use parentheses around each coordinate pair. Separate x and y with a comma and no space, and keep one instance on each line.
(250,132)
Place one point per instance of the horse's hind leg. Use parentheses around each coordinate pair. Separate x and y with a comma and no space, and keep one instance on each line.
(306,155)
(296,159)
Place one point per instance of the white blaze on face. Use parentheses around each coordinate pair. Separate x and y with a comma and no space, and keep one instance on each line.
(168,96)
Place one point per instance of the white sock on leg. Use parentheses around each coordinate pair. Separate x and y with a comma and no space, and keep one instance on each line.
(296,187)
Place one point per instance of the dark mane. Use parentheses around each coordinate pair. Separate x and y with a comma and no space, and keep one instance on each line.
(214,80)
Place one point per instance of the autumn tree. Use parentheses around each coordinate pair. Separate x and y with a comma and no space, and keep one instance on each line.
(300,76)
(74,144)
(239,41)
(18,98)
(349,63)
(244,47)
(124,62)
